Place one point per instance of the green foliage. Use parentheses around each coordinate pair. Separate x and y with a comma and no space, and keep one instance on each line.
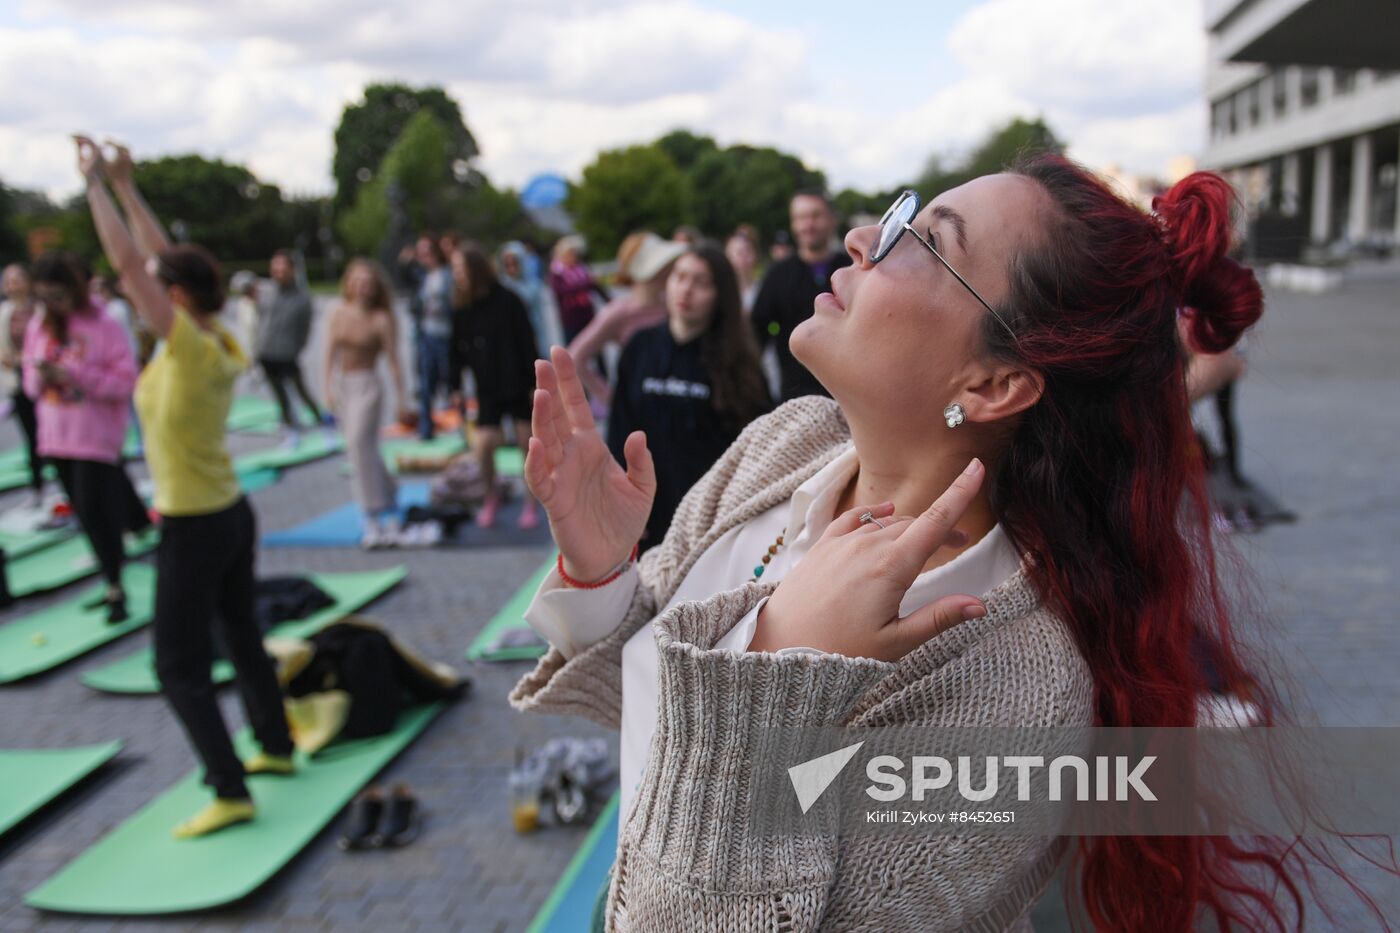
(364,225)
(1018,138)
(416,166)
(629,189)
(220,206)
(685,148)
(483,213)
(368,130)
(747,184)
(11,239)
(418,161)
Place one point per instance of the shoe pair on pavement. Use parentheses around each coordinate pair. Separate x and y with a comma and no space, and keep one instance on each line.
(377,823)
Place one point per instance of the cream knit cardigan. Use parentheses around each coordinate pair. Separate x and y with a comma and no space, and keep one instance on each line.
(686,858)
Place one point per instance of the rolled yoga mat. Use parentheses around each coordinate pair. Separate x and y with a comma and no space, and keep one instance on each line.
(140,869)
(65,562)
(136,673)
(32,778)
(59,633)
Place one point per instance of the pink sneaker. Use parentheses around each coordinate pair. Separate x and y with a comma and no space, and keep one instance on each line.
(529,517)
(486,518)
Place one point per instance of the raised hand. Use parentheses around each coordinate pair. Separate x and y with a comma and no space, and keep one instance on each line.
(597,510)
(843,597)
(119,166)
(90,161)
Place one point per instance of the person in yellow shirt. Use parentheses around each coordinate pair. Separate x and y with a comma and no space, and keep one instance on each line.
(204,564)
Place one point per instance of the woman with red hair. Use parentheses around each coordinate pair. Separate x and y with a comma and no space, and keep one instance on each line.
(983,527)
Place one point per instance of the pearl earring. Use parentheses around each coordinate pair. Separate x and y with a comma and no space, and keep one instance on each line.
(954,415)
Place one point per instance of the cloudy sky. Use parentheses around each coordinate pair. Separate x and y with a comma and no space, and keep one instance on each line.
(546,84)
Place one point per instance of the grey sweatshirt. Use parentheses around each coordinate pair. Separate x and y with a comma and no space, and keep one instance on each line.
(285,325)
(687,857)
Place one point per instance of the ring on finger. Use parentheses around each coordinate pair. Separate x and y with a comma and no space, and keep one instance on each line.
(869,518)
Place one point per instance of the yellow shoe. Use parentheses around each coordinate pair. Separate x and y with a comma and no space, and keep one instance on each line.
(218,815)
(263,763)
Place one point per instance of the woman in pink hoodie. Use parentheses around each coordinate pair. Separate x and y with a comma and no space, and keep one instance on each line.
(80,371)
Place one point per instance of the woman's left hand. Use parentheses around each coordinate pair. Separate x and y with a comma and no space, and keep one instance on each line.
(90,161)
(843,596)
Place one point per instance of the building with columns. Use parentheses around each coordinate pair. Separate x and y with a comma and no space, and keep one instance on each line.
(1305,119)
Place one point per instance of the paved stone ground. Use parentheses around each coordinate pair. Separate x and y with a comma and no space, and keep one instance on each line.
(1320,417)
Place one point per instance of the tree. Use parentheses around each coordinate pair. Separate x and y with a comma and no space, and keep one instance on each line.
(638,187)
(747,184)
(369,129)
(417,165)
(11,240)
(685,148)
(1001,149)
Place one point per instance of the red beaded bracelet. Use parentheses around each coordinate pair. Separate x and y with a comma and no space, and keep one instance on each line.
(578,585)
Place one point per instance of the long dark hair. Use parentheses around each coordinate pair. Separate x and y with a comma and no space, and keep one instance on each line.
(481,275)
(66,271)
(1103,488)
(727,348)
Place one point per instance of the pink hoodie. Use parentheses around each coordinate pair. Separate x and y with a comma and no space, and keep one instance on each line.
(84,418)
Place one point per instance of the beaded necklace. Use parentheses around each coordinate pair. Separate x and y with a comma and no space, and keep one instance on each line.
(772,549)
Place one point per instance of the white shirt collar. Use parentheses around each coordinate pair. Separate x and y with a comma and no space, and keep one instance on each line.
(976,570)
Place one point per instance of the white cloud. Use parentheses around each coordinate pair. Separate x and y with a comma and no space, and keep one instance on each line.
(546,84)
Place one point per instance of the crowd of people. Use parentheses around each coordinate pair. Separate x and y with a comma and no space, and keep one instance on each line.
(949,463)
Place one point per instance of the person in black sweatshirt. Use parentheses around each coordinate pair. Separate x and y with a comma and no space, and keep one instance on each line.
(792,285)
(692,383)
(492,336)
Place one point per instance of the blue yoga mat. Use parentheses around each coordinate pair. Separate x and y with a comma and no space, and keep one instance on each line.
(569,907)
(340,527)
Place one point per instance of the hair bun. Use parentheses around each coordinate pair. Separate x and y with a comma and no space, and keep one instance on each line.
(1195,216)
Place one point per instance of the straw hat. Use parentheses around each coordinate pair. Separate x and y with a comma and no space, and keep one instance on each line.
(651,256)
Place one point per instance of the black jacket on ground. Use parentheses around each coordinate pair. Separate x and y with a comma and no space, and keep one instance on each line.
(492,336)
(663,388)
(785,300)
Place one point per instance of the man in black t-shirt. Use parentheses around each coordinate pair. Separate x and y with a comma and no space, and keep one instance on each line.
(793,284)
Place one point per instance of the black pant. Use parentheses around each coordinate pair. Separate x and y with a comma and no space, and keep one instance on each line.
(204,572)
(29,425)
(106,505)
(279,373)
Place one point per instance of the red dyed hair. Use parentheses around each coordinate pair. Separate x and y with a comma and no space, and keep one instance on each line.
(1103,488)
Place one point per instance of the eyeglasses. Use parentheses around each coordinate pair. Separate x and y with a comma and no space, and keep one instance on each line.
(892,227)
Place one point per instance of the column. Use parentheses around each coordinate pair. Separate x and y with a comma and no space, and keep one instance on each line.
(1397,207)
(1293,86)
(1292,184)
(1362,171)
(1322,194)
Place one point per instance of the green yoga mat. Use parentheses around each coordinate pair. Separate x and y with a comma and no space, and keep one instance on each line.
(136,673)
(17,544)
(31,778)
(59,633)
(511,617)
(14,469)
(313,446)
(64,563)
(253,413)
(139,869)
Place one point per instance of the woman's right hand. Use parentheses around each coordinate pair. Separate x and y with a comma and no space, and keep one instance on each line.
(119,165)
(597,511)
